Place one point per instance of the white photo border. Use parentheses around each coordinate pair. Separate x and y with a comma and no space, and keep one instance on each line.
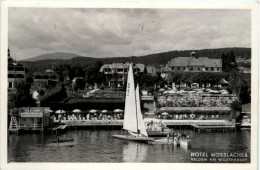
(151,166)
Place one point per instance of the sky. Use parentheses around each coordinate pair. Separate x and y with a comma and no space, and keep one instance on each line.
(124,32)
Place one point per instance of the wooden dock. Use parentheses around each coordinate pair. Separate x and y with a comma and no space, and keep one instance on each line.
(213,128)
(60,128)
(195,125)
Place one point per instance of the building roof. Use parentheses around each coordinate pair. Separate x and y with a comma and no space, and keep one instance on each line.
(45,73)
(140,66)
(211,62)
(192,61)
(103,67)
(179,61)
(244,69)
(121,65)
(195,61)
(151,70)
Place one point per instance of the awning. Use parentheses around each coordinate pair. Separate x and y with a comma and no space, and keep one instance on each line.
(76,111)
(60,111)
(118,110)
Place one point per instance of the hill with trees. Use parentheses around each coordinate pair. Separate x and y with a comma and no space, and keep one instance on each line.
(39,63)
(63,56)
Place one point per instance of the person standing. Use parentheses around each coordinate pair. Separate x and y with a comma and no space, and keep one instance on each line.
(168,137)
(57,136)
(172,135)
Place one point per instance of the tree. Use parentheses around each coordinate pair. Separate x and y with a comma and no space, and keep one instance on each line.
(235,81)
(176,77)
(236,107)
(92,74)
(147,80)
(228,61)
(244,93)
(22,97)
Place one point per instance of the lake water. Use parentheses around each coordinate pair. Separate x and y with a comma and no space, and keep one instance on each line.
(100,146)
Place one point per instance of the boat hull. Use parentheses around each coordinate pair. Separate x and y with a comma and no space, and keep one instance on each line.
(245,126)
(161,141)
(62,140)
(157,133)
(185,143)
(133,138)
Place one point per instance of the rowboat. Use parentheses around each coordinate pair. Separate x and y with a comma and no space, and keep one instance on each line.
(62,140)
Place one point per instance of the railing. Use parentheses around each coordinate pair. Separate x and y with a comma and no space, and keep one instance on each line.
(83,119)
(22,126)
(36,126)
(93,122)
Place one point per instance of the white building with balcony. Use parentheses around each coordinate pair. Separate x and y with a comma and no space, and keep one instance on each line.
(16,72)
(116,74)
(43,79)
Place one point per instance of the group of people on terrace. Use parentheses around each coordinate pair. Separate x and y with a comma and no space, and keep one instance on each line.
(194,101)
(156,126)
(82,117)
(190,116)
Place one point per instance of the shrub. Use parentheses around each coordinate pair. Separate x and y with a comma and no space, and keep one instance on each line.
(236,105)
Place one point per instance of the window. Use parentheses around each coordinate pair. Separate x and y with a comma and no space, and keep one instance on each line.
(198,68)
(53,77)
(20,76)
(178,68)
(19,69)
(37,77)
(218,69)
(206,68)
(10,85)
(191,68)
(10,76)
(212,69)
(45,77)
(172,68)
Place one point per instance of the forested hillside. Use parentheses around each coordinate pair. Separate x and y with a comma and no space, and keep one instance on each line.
(152,59)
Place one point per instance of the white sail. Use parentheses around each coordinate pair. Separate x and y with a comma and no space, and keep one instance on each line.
(141,125)
(130,116)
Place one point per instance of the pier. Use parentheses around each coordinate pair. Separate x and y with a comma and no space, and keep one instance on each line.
(195,125)
(94,124)
(213,128)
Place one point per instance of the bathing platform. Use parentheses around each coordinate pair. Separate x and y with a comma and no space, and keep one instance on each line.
(195,125)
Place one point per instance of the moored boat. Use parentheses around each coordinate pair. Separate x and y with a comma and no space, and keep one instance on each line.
(62,140)
(157,133)
(246,123)
(133,138)
(185,143)
(244,126)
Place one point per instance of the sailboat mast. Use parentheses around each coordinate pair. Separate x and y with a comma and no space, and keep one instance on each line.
(138,131)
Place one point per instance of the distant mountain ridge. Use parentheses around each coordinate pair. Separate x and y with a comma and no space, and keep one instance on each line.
(56,59)
(53,56)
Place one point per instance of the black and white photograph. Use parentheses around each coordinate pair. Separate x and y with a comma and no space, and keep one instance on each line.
(130,85)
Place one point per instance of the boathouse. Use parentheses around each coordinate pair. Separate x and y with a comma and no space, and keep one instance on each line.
(30,119)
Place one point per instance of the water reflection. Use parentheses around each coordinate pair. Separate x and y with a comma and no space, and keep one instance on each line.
(135,152)
(100,146)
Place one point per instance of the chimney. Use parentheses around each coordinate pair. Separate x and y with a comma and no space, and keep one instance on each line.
(9,52)
(193,54)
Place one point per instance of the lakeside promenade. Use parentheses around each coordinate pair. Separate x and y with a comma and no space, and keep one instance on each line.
(196,125)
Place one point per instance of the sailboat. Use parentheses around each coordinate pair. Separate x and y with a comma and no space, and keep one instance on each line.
(133,119)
